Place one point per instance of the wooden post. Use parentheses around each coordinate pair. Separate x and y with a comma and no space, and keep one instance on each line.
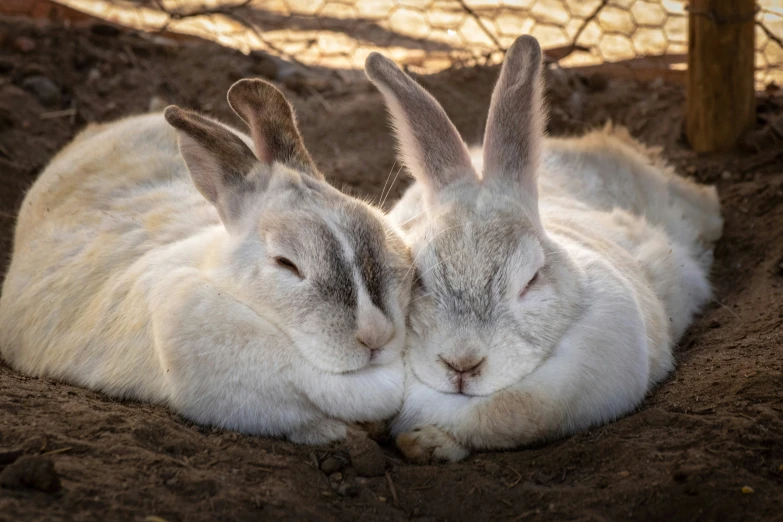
(721,104)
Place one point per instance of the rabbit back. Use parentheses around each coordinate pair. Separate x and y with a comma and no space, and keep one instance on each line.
(607,169)
(629,194)
(72,302)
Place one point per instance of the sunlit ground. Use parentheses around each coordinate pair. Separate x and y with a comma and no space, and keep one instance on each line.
(429,35)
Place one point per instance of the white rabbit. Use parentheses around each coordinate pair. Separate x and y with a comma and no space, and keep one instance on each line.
(551,287)
(240,289)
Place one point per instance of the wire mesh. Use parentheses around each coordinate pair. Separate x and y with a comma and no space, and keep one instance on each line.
(430,35)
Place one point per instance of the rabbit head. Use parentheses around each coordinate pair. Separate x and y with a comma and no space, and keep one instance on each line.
(324,267)
(493,292)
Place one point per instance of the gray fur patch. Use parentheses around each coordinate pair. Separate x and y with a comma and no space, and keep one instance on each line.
(337,286)
(463,286)
(367,236)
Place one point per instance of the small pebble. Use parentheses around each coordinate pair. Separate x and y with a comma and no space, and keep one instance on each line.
(332,465)
(32,472)
(625,474)
(725,174)
(47,92)
(367,457)
(747,490)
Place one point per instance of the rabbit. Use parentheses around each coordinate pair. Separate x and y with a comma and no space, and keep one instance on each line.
(170,258)
(553,278)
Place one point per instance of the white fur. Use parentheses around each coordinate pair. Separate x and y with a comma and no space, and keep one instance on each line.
(124,280)
(625,247)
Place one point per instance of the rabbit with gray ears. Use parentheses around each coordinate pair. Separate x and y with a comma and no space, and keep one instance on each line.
(552,280)
(236,286)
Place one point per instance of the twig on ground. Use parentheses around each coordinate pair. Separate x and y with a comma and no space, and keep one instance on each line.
(57,451)
(58,114)
(516,481)
(393,489)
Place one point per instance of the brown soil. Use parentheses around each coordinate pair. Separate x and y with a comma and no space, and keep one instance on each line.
(714,428)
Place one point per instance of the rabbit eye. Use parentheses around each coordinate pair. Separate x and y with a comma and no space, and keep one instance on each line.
(529,284)
(284,262)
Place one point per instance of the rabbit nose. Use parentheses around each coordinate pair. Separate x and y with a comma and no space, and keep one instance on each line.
(463,364)
(374,329)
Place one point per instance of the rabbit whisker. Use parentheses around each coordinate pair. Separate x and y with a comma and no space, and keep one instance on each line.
(414,217)
(387,180)
(420,297)
(413,265)
(391,185)
(436,265)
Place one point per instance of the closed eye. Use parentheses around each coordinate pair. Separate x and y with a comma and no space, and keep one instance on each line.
(533,280)
(287,264)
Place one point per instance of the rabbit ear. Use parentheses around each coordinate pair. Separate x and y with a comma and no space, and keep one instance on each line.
(429,144)
(272,125)
(515,126)
(218,160)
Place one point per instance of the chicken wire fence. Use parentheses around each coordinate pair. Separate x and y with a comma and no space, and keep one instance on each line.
(431,35)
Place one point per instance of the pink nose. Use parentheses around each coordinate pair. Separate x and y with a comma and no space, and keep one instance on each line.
(463,368)
(374,329)
(463,364)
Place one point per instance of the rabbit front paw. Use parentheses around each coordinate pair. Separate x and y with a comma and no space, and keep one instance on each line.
(430,444)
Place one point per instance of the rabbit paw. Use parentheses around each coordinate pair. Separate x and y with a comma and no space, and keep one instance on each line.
(430,444)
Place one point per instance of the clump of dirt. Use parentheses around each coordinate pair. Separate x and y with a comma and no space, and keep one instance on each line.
(706,445)
(31,471)
(367,458)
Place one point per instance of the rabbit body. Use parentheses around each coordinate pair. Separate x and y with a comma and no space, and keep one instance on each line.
(125,280)
(553,285)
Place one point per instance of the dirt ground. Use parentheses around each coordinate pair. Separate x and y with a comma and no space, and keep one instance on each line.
(706,445)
